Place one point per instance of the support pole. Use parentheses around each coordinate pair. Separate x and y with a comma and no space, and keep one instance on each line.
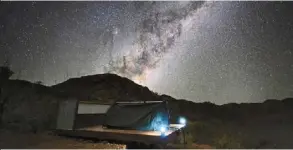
(184,140)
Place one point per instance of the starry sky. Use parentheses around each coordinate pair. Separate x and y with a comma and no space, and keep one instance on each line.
(220,52)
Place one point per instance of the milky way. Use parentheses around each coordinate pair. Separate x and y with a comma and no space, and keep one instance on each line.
(156,35)
(202,51)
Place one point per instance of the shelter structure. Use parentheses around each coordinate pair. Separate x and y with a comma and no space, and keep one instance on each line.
(75,114)
(143,116)
(144,122)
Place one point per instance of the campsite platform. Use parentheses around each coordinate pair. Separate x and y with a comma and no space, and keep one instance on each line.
(102,133)
(100,128)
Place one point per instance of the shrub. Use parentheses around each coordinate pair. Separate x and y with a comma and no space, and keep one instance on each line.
(227,141)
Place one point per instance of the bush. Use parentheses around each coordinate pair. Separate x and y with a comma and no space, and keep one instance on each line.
(227,141)
(5,73)
(201,131)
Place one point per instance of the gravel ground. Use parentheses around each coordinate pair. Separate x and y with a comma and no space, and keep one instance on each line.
(14,140)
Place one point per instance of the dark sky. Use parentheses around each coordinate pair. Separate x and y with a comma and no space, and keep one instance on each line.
(214,51)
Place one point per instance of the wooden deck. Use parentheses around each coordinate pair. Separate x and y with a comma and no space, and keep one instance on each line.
(98,132)
(101,129)
(173,127)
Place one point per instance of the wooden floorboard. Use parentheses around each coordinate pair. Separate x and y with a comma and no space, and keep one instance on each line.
(101,129)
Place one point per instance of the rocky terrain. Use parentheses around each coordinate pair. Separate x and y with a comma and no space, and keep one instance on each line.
(105,87)
(31,108)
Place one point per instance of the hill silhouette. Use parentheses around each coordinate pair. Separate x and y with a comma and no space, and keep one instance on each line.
(33,107)
(106,88)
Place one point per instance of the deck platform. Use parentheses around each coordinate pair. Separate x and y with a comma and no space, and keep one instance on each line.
(102,133)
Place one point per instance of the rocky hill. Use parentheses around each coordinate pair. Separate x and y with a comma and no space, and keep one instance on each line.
(32,107)
(105,88)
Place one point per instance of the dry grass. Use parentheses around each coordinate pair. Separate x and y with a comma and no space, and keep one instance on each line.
(189,146)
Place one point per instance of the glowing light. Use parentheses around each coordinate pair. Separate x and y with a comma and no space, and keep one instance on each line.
(163,131)
(182,120)
(141,79)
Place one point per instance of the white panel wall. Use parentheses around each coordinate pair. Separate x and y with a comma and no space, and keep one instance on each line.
(66,114)
(92,108)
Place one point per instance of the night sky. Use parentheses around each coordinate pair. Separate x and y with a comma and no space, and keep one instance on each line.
(220,52)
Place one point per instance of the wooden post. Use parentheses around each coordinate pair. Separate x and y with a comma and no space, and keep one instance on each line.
(184,141)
